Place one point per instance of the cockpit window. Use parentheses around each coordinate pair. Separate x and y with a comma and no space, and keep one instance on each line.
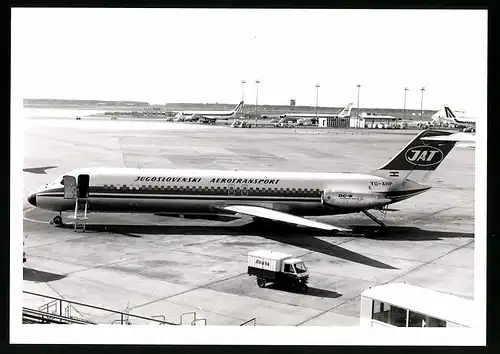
(58,180)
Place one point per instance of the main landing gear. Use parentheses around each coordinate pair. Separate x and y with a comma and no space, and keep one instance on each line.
(371,216)
(383,230)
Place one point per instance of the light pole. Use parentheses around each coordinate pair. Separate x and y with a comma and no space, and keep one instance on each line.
(317,93)
(257,82)
(243,82)
(404,107)
(359,87)
(421,103)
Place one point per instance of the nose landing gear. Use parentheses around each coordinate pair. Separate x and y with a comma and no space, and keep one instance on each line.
(57,220)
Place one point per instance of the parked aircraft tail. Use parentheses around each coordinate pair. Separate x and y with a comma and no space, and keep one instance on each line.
(238,108)
(449,113)
(419,158)
(346,112)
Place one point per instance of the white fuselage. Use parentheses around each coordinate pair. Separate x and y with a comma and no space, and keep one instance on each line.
(202,191)
(219,115)
(312,115)
(194,115)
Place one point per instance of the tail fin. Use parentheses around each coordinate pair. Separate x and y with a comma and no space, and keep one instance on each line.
(449,113)
(419,158)
(346,112)
(238,108)
(461,121)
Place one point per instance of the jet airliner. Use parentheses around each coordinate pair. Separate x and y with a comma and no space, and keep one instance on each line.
(209,116)
(468,123)
(345,113)
(287,197)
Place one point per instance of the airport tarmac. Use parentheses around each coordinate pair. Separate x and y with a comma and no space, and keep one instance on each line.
(159,266)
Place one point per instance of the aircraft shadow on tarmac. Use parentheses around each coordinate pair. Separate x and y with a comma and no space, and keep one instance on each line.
(283,233)
(288,234)
(30,274)
(406,233)
(316,292)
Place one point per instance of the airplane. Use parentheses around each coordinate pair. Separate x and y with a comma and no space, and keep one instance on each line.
(287,197)
(209,116)
(467,123)
(346,112)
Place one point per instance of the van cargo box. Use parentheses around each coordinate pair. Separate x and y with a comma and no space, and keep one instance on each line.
(267,260)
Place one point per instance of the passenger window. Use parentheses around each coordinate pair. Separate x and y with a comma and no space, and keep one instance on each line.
(380,311)
(389,314)
(416,320)
(419,320)
(397,316)
(288,268)
(434,322)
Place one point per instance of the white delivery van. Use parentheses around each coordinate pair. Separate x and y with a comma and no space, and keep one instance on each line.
(279,268)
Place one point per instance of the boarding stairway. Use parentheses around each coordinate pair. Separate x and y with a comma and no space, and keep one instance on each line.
(33,316)
(81,207)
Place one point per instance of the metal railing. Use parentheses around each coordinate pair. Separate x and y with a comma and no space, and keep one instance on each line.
(193,322)
(250,322)
(38,316)
(124,316)
(195,319)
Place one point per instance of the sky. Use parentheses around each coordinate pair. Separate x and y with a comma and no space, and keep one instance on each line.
(201,55)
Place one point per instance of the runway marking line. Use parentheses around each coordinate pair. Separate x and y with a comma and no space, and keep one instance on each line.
(32,220)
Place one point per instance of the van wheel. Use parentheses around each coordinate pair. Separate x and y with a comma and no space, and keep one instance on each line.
(305,288)
(261,282)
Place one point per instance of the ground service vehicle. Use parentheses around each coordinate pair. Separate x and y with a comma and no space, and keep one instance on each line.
(278,268)
(240,124)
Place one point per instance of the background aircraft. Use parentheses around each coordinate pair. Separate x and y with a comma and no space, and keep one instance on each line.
(209,116)
(464,122)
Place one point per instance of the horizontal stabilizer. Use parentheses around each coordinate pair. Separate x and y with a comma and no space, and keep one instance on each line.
(454,137)
(280,216)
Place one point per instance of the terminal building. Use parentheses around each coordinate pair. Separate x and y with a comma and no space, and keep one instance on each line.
(369,120)
(154,110)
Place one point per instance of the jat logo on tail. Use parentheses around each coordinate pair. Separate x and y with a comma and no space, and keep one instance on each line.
(424,155)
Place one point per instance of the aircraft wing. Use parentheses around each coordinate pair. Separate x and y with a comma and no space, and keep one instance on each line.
(280,216)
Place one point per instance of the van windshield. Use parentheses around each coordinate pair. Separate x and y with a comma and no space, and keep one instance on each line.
(300,268)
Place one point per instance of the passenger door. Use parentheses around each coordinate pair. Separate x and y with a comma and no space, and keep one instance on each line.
(83,186)
(70,188)
(289,272)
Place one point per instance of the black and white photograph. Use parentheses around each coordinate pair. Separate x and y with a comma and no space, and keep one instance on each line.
(187,173)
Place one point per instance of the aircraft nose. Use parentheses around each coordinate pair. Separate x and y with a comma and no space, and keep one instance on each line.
(32,199)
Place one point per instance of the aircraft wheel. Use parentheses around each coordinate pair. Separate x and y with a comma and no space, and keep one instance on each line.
(261,282)
(57,220)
